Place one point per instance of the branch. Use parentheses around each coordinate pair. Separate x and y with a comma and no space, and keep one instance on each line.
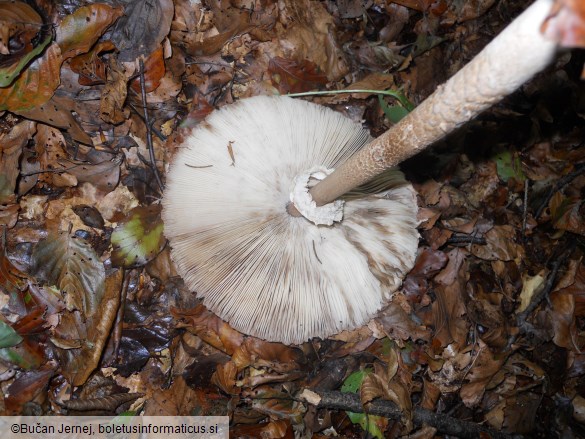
(443,423)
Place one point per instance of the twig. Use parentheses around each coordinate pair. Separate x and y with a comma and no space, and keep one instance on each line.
(118,324)
(466,239)
(548,286)
(524,326)
(560,184)
(160,135)
(148,127)
(525,209)
(445,424)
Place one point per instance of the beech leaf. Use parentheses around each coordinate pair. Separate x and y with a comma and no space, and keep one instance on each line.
(80,30)
(10,73)
(35,85)
(71,264)
(138,238)
(8,336)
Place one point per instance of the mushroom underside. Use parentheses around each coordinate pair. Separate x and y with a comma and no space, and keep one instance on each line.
(268,274)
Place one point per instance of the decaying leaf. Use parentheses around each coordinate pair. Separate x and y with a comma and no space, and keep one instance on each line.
(71,264)
(114,94)
(90,67)
(293,77)
(142,27)
(78,32)
(139,238)
(8,336)
(78,364)
(36,84)
(26,387)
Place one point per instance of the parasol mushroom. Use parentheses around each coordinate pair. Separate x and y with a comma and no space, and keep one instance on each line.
(322,264)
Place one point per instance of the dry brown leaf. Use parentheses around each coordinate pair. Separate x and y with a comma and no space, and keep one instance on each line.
(209,328)
(484,366)
(290,76)
(11,147)
(114,94)
(19,21)
(57,112)
(89,66)
(275,356)
(142,28)
(78,31)
(500,244)
(430,395)
(310,36)
(396,323)
(449,308)
(26,387)
(178,400)
(35,85)
(225,378)
(562,317)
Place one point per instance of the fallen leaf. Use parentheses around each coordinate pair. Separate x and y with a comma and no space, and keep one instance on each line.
(79,31)
(35,85)
(139,238)
(71,264)
(142,28)
(293,77)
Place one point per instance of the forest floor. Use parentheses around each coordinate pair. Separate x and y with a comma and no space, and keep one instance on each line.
(487,330)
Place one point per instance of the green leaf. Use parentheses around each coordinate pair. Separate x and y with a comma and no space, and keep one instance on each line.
(8,336)
(368,423)
(10,73)
(509,166)
(72,265)
(139,238)
(394,113)
(353,382)
(35,85)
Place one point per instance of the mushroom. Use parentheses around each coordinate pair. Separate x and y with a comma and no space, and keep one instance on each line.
(270,274)
(272,250)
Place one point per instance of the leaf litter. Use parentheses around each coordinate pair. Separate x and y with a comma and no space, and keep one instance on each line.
(488,328)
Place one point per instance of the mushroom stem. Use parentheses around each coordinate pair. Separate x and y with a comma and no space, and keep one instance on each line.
(511,59)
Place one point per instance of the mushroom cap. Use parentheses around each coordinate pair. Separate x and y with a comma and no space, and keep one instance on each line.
(267,273)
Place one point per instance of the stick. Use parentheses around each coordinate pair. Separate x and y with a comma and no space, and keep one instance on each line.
(445,424)
(510,60)
(148,128)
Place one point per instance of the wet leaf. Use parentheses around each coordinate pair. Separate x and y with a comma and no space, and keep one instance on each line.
(25,388)
(114,94)
(56,112)
(19,21)
(27,355)
(293,77)
(509,166)
(142,27)
(10,73)
(396,323)
(368,423)
(8,336)
(90,67)
(139,238)
(500,245)
(568,213)
(36,84)
(78,364)
(71,264)
(80,30)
